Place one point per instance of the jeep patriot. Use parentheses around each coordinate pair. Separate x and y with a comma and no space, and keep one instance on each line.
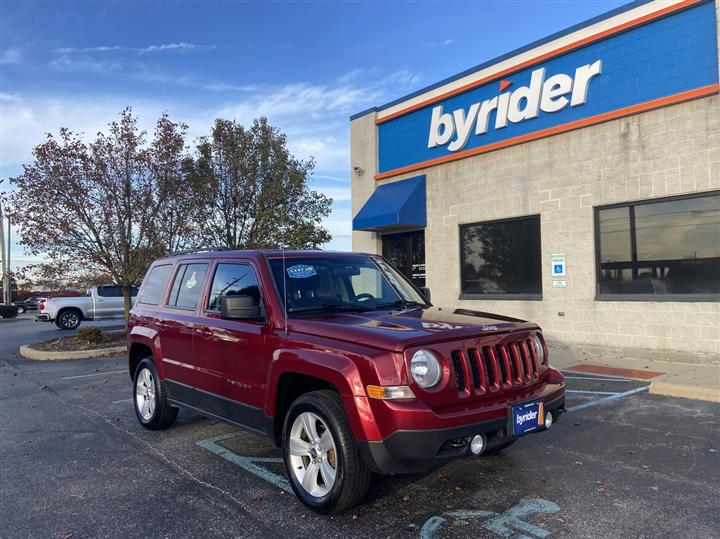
(339,360)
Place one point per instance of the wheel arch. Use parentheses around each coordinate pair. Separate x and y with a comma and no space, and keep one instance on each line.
(142,344)
(136,353)
(297,372)
(62,310)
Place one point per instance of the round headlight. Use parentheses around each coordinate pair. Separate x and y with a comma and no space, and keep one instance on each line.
(425,369)
(539,349)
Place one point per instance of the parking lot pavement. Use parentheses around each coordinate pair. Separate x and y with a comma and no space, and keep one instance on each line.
(24,329)
(75,461)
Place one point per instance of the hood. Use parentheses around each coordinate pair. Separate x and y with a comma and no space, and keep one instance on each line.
(400,329)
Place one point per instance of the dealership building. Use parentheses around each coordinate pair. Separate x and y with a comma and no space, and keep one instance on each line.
(574,182)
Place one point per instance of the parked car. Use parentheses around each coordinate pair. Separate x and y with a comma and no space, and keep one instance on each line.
(30,304)
(8,311)
(339,360)
(101,303)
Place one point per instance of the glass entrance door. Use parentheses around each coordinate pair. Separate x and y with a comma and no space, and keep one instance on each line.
(406,252)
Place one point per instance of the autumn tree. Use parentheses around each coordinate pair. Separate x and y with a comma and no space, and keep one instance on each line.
(256,193)
(108,207)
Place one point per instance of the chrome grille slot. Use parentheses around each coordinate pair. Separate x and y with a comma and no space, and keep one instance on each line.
(533,358)
(459,372)
(503,366)
(475,368)
(502,353)
(488,367)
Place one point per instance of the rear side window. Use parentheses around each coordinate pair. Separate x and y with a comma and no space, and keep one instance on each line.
(154,285)
(187,286)
(233,280)
(109,291)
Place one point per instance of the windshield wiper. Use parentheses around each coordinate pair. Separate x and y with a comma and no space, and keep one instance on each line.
(400,303)
(331,306)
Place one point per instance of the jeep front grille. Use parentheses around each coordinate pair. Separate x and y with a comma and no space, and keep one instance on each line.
(491,368)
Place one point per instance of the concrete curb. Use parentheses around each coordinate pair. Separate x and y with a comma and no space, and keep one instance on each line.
(41,355)
(684,391)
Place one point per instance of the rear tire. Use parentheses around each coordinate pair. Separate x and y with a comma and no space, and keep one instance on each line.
(21,309)
(152,409)
(68,319)
(321,458)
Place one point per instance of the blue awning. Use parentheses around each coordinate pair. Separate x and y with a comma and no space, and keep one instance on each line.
(396,205)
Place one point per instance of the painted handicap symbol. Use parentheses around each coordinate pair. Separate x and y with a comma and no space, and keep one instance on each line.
(503,524)
(254,465)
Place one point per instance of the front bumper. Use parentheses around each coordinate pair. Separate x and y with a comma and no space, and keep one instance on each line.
(412,451)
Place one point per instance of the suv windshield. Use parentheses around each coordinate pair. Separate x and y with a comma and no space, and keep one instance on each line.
(342,283)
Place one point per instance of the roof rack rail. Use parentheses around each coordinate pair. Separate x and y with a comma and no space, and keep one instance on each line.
(202,249)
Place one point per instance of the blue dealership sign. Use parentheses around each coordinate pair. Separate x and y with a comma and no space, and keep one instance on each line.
(667,60)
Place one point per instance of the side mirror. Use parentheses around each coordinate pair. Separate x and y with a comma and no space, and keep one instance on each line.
(425,292)
(239,308)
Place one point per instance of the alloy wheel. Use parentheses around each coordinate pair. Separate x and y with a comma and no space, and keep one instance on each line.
(313,456)
(145,394)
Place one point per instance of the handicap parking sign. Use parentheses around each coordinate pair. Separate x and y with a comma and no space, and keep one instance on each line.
(557,261)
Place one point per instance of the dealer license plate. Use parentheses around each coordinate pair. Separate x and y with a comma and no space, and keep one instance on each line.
(527,417)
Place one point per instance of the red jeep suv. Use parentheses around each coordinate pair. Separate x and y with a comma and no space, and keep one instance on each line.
(338,359)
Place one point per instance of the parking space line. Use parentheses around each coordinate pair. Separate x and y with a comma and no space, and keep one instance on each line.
(608,398)
(93,374)
(591,392)
(246,463)
(122,401)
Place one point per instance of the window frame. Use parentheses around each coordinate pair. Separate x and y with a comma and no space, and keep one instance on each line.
(208,291)
(171,283)
(521,296)
(633,242)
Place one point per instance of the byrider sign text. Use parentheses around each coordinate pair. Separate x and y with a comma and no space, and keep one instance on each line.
(569,85)
(547,95)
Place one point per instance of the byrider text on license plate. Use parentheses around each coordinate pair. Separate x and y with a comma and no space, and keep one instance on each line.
(527,417)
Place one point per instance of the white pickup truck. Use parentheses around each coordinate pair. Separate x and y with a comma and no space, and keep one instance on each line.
(101,303)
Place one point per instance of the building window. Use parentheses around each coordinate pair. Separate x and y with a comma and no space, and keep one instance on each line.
(501,259)
(660,249)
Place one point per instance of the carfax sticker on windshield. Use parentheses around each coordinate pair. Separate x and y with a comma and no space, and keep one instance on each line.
(301,271)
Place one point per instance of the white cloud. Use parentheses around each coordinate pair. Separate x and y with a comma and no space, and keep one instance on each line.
(181,46)
(338,194)
(331,178)
(11,55)
(315,118)
(444,43)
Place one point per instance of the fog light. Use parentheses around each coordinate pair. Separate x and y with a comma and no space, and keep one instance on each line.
(477,445)
(548,420)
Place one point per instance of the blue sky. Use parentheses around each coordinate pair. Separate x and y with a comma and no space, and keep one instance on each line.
(307,66)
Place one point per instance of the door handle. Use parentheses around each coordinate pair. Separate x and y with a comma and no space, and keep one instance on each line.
(204,331)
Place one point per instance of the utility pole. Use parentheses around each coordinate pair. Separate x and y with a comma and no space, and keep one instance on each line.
(5,267)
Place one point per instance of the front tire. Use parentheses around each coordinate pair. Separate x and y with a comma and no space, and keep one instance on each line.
(322,461)
(150,399)
(68,319)
(21,309)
